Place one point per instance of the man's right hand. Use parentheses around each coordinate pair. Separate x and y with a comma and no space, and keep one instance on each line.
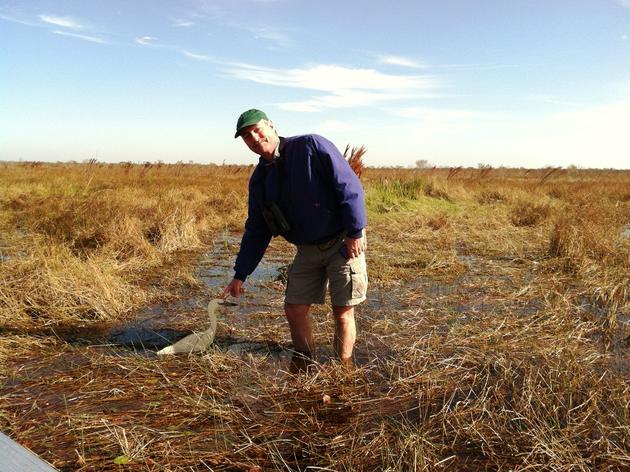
(235,288)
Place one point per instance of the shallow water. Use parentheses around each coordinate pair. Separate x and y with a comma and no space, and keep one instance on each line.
(158,326)
(485,286)
(260,307)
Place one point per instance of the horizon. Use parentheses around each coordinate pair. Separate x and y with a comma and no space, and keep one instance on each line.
(159,163)
(456,84)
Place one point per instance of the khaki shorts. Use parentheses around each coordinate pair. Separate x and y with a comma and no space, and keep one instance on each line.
(314,270)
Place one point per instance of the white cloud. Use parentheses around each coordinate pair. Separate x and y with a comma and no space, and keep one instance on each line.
(183,23)
(92,39)
(332,78)
(17,20)
(192,55)
(65,22)
(151,41)
(401,61)
(276,37)
(624,3)
(146,40)
(344,87)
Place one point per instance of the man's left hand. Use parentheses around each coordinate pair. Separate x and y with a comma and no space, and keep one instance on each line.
(355,246)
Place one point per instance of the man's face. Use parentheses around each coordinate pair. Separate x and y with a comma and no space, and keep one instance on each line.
(261,138)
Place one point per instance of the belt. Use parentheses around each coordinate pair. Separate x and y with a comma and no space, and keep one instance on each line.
(325,246)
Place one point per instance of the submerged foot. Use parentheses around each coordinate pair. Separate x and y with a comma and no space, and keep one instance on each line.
(300,362)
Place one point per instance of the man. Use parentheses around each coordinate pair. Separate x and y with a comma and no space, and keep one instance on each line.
(304,190)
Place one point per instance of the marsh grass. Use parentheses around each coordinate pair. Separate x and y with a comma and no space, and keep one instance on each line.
(494,337)
(83,241)
(529,213)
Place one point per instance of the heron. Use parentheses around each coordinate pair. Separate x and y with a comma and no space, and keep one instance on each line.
(196,342)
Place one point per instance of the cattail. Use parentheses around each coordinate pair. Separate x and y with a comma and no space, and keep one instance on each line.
(355,159)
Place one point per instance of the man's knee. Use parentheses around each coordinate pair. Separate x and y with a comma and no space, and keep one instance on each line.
(343,314)
(295,312)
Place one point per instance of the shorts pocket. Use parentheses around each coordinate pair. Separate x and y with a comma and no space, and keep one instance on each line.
(358,279)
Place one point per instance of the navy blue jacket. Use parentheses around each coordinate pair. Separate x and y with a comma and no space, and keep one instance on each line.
(316,190)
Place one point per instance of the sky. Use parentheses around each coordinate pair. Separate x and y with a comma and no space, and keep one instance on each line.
(521,83)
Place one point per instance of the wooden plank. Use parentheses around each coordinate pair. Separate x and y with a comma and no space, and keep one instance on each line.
(15,458)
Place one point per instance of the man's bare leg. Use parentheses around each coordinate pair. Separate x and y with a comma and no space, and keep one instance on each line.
(345,332)
(300,325)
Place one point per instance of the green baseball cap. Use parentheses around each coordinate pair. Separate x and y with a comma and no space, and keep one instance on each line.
(248,118)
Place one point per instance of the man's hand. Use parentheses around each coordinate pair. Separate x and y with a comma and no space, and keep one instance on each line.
(235,288)
(355,246)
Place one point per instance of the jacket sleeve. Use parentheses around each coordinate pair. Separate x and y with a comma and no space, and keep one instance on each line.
(346,185)
(254,242)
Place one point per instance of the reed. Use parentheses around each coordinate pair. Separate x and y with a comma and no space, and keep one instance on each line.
(495,336)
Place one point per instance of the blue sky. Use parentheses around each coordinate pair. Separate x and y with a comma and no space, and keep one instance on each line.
(456,82)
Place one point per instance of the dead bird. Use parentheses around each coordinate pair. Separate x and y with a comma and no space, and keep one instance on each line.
(196,342)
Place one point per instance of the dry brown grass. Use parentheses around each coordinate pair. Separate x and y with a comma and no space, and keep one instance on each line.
(527,213)
(82,242)
(495,336)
